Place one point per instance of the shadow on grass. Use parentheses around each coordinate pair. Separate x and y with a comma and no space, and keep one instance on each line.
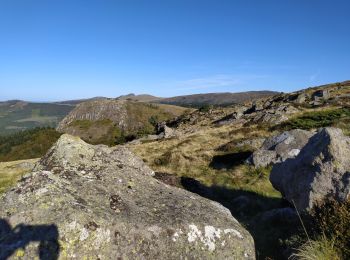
(230,160)
(271,221)
(20,236)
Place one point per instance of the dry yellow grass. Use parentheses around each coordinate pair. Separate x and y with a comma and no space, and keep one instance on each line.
(191,155)
(11,172)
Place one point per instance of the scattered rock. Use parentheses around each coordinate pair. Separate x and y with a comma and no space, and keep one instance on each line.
(319,171)
(321,94)
(103,203)
(164,131)
(300,98)
(279,148)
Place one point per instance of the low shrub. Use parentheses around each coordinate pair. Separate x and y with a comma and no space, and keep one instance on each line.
(333,220)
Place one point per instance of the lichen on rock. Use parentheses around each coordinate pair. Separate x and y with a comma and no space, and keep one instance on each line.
(105,204)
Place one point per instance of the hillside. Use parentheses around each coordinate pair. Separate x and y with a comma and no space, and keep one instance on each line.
(261,160)
(19,115)
(210,152)
(217,99)
(27,144)
(111,121)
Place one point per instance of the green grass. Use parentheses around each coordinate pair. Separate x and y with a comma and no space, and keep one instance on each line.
(11,172)
(317,119)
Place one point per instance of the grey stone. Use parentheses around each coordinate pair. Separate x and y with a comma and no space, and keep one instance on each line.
(321,170)
(100,202)
(164,131)
(321,94)
(280,147)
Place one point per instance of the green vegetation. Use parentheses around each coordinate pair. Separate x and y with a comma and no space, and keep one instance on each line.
(319,249)
(332,220)
(11,172)
(316,119)
(205,108)
(145,117)
(98,132)
(27,144)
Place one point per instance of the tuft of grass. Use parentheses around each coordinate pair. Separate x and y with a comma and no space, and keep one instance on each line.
(319,249)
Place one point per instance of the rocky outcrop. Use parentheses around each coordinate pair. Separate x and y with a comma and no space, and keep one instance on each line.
(83,201)
(321,170)
(96,110)
(280,148)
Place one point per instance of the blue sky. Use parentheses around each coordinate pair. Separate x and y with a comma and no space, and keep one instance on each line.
(66,49)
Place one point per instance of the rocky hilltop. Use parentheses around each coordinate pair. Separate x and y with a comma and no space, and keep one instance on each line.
(267,111)
(107,120)
(83,201)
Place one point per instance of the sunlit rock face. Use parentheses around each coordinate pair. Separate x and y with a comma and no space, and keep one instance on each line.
(321,171)
(83,201)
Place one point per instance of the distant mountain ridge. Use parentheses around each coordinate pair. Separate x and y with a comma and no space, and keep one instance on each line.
(218,99)
(17,115)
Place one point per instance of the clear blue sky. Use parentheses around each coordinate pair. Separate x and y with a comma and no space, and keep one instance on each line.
(66,49)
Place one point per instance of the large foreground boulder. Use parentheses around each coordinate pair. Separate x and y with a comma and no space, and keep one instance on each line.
(320,171)
(280,147)
(95,202)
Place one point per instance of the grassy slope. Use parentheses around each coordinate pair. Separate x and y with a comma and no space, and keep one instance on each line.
(313,119)
(11,172)
(193,155)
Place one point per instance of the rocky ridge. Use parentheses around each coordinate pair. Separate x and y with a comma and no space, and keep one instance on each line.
(271,110)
